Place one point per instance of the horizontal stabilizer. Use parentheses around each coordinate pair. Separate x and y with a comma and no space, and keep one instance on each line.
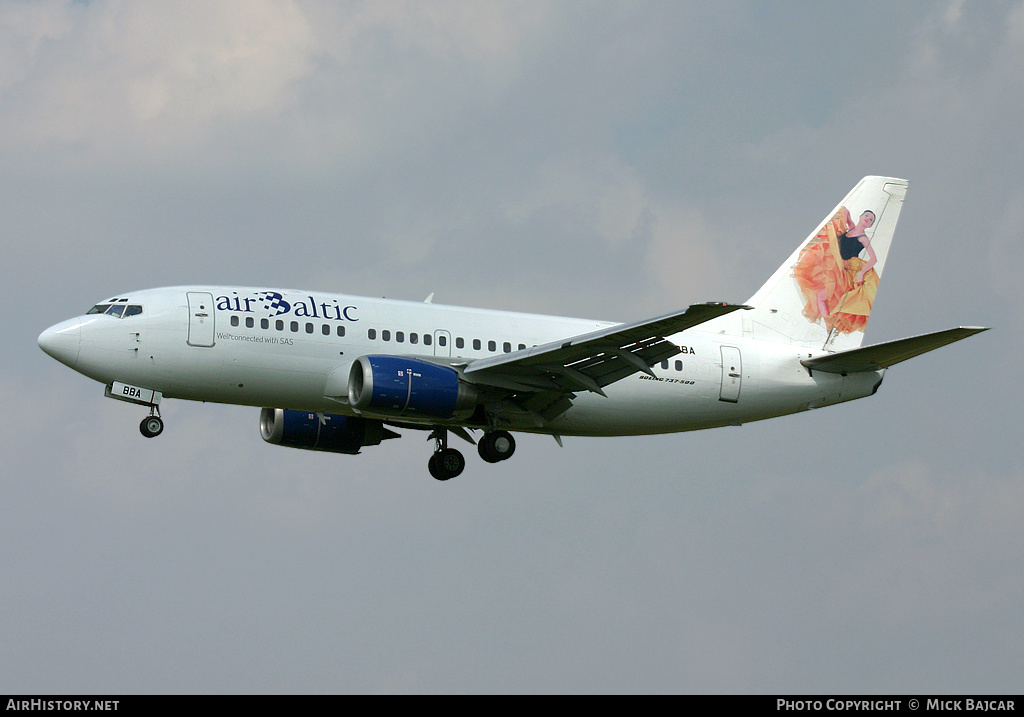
(879,356)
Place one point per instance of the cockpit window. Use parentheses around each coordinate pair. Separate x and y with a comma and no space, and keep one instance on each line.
(118,310)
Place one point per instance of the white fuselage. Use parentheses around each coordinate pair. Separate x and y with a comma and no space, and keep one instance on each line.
(294,350)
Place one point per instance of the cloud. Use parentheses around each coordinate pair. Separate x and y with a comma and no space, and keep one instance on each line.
(934,536)
(147,82)
(599,193)
(146,77)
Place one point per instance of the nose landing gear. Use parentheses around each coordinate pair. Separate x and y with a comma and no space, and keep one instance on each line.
(152,426)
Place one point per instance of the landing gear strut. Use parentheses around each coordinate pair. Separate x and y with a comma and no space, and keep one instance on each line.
(446,462)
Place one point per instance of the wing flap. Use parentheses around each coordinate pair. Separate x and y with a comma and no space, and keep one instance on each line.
(879,356)
(594,360)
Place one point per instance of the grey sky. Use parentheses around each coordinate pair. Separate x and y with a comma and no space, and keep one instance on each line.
(607,160)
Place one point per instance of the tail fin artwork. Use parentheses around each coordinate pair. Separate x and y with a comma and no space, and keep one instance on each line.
(821,298)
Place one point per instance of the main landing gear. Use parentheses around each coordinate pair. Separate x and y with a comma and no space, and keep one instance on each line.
(446,463)
(496,446)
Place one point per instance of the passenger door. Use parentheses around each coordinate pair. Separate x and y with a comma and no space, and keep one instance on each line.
(732,375)
(200,319)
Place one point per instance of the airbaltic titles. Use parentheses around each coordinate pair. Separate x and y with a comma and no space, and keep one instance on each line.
(275,304)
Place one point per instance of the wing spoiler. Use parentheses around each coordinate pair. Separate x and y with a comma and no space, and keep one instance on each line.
(594,360)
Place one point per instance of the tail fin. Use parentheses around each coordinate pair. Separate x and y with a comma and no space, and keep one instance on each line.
(821,297)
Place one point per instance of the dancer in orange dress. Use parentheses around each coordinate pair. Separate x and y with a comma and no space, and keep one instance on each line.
(839,286)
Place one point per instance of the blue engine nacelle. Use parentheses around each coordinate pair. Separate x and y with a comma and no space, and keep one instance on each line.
(320,431)
(407,387)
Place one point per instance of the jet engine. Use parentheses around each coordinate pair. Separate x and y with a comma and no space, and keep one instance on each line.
(407,387)
(321,431)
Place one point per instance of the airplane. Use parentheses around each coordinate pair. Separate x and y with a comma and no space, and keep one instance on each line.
(339,373)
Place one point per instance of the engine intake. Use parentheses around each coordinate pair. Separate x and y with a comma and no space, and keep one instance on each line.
(407,387)
(321,431)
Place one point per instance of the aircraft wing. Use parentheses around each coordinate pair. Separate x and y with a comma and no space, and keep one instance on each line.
(591,361)
(879,356)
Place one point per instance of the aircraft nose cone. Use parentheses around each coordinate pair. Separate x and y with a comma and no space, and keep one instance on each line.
(63,341)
